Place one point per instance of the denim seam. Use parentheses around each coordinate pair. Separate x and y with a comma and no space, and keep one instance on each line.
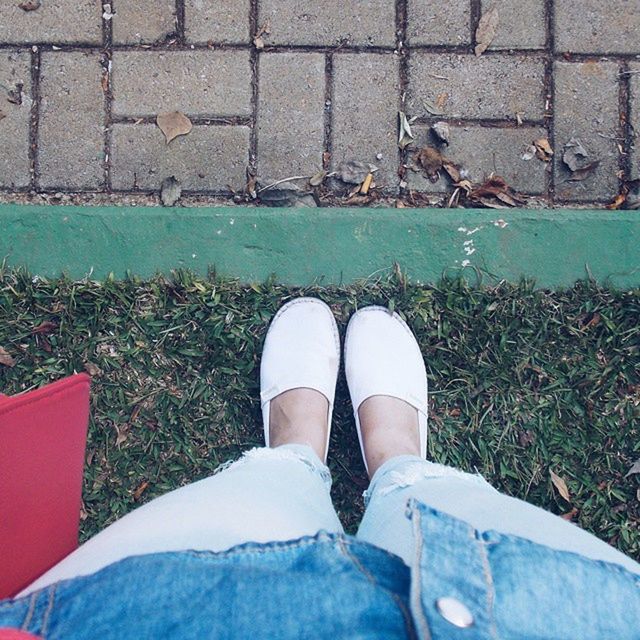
(409,628)
(32,606)
(416,582)
(47,613)
(486,570)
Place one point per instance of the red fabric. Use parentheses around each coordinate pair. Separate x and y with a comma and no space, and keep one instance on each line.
(42,441)
(14,634)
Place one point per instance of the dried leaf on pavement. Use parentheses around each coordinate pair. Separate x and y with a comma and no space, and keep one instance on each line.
(560,485)
(487,29)
(452,169)
(430,160)
(354,171)
(6,359)
(495,193)
(635,469)
(173,124)
(265,29)
(442,132)
(576,159)
(30,5)
(170,191)
(544,151)
(432,109)
(317,178)
(405,136)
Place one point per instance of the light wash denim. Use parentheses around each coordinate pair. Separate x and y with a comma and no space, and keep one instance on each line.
(430,532)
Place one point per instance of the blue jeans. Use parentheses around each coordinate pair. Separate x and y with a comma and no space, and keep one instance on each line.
(517,571)
(283,494)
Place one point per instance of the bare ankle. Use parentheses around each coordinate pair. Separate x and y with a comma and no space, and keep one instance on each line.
(389,428)
(299,416)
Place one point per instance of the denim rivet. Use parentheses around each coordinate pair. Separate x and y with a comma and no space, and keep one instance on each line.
(453,611)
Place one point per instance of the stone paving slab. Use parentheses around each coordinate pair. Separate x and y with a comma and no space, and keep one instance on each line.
(144,22)
(212,158)
(60,21)
(361,127)
(438,23)
(522,24)
(495,87)
(593,26)
(199,83)
(290,114)
(482,151)
(330,22)
(217,22)
(71,122)
(586,109)
(323,84)
(15,75)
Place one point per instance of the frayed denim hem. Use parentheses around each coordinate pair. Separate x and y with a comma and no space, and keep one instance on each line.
(405,471)
(291,452)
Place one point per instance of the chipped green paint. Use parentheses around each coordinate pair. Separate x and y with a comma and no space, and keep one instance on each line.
(299,246)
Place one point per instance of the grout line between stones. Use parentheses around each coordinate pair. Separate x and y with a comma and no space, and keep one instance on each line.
(328,111)
(549,90)
(254,58)
(107,53)
(475,15)
(625,125)
(181,22)
(35,118)
(360,49)
(403,73)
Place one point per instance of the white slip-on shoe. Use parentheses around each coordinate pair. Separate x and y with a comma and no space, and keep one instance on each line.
(301,350)
(382,358)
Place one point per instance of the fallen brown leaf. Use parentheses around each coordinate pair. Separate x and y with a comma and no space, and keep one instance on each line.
(140,490)
(618,201)
(45,327)
(6,359)
(487,29)
(430,160)
(560,485)
(495,191)
(452,169)
(570,516)
(544,151)
(92,369)
(173,124)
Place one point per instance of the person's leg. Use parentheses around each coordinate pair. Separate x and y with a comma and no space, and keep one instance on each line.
(384,364)
(470,498)
(271,494)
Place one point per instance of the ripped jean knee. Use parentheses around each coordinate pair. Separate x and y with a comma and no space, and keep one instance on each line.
(298,453)
(402,472)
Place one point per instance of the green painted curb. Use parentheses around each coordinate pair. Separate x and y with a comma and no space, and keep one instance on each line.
(300,246)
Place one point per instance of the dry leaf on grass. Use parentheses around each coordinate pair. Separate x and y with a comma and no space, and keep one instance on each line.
(92,369)
(560,485)
(6,359)
(45,327)
(571,515)
(487,29)
(173,124)
(140,490)
(635,469)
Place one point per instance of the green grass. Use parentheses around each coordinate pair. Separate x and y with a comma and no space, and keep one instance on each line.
(522,381)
